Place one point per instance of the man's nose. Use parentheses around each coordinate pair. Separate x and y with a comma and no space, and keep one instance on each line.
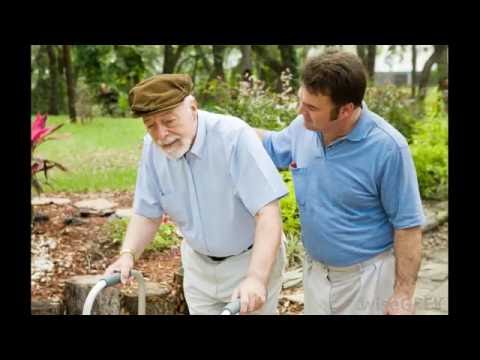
(162,132)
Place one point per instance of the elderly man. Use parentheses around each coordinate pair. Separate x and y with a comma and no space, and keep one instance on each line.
(357,192)
(212,176)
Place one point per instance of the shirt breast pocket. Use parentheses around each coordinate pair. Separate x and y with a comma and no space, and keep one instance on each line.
(300,181)
(173,205)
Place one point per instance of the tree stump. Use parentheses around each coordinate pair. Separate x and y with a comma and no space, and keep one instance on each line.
(177,294)
(157,300)
(46,308)
(160,299)
(76,291)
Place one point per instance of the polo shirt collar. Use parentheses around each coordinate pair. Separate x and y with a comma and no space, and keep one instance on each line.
(362,127)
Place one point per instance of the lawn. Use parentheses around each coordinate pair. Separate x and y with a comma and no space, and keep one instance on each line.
(100,155)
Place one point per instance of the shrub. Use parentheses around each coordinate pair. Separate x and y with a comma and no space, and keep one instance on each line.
(289,208)
(430,153)
(251,102)
(291,224)
(395,106)
(295,251)
(165,238)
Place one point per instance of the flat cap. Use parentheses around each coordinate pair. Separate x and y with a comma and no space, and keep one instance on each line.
(159,93)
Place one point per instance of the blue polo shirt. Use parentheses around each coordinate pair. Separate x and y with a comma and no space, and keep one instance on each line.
(353,193)
(215,190)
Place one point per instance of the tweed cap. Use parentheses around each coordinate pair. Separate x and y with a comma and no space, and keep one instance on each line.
(159,93)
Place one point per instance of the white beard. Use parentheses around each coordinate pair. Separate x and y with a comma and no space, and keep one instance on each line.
(176,151)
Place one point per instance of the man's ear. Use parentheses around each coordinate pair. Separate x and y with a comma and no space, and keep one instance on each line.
(194,104)
(347,109)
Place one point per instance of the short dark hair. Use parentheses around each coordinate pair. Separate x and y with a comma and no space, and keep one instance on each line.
(338,74)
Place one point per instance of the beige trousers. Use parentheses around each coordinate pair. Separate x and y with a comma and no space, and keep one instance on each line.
(208,285)
(361,289)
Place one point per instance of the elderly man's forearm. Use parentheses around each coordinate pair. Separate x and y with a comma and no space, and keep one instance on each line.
(408,257)
(268,234)
(140,232)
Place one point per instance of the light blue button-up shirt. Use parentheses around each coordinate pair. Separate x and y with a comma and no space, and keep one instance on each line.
(213,192)
(353,193)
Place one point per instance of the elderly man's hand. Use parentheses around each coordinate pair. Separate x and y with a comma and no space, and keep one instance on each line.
(252,293)
(400,304)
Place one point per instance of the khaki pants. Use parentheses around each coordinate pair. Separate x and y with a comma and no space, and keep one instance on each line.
(208,285)
(360,289)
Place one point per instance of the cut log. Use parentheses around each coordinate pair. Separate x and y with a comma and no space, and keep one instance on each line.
(76,291)
(160,299)
(46,308)
(157,300)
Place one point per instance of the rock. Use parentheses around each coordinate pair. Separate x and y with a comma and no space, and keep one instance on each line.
(100,207)
(436,213)
(178,232)
(40,217)
(124,213)
(440,256)
(295,298)
(47,201)
(293,278)
(74,221)
(437,299)
(430,312)
(41,265)
(434,271)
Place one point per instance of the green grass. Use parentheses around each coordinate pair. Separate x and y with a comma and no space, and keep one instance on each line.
(100,155)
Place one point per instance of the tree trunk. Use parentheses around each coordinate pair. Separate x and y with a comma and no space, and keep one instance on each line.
(443,65)
(372,54)
(67,60)
(269,60)
(171,58)
(425,75)
(61,62)
(289,60)
(203,57)
(361,52)
(168,59)
(194,71)
(246,63)
(53,72)
(414,69)
(218,53)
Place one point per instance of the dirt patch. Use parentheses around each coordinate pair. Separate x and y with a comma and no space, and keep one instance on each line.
(61,249)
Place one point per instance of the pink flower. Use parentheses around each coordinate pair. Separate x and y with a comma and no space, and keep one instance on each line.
(39,131)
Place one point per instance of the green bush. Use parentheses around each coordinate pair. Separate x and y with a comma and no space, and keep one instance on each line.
(251,102)
(394,105)
(295,251)
(291,224)
(430,153)
(434,104)
(289,208)
(165,238)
